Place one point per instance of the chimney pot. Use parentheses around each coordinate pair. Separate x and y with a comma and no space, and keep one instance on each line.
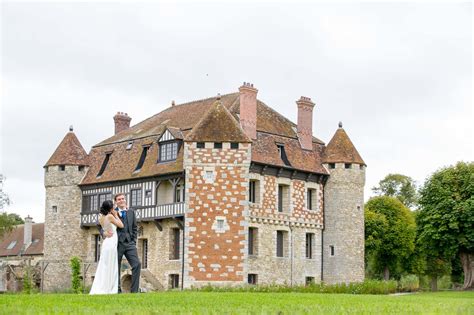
(121,121)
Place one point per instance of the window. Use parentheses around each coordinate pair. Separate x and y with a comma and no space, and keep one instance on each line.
(309,280)
(220,224)
(283,197)
(200,145)
(179,193)
(331,250)
(311,199)
(234,145)
(104,197)
(148,193)
(54,209)
(174,243)
(11,245)
(142,158)
(282,154)
(252,278)
(332,165)
(80,168)
(253,241)
(174,281)
(104,164)
(136,197)
(279,244)
(90,203)
(96,247)
(46,169)
(62,167)
(254,191)
(168,151)
(347,165)
(361,167)
(309,245)
(144,254)
(217,145)
(129,145)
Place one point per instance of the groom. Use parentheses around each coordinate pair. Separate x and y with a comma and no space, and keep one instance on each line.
(127,241)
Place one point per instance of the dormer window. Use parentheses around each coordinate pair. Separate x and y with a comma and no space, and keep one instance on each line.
(168,151)
(142,158)
(282,153)
(104,164)
(129,145)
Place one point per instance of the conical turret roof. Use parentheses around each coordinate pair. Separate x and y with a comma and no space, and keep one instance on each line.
(341,149)
(218,125)
(69,152)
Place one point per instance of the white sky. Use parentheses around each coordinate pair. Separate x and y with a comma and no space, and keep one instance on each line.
(398,75)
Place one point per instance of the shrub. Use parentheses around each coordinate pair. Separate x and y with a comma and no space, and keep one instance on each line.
(76,274)
(409,283)
(27,280)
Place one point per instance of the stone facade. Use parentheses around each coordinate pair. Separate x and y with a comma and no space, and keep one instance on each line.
(344,224)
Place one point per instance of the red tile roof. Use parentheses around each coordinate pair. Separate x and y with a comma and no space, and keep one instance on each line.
(17,234)
(341,149)
(69,152)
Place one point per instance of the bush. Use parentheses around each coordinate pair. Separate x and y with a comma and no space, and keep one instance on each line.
(76,274)
(409,283)
(27,280)
(366,287)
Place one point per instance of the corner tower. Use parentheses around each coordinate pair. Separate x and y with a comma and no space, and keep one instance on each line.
(63,236)
(343,235)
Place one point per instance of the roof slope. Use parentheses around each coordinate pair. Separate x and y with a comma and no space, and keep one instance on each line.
(17,234)
(218,125)
(69,152)
(341,149)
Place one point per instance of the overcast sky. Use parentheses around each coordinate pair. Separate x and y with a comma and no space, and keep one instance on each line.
(399,76)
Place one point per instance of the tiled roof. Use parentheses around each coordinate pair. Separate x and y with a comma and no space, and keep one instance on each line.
(218,125)
(17,234)
(180,120)
(341,149)
(69,152)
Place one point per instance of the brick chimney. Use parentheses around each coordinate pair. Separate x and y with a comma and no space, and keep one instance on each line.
(122,122)
(305,122)
(248,109)
(28,232)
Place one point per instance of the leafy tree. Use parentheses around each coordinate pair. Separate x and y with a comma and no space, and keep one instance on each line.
(75,264)
(8,221)
(399,186)
(446,217)
(4,199)
(389,233)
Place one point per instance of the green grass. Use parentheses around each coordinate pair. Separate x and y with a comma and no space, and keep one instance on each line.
(239,303)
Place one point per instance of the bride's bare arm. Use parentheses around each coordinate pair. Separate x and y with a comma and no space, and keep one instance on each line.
(113,216)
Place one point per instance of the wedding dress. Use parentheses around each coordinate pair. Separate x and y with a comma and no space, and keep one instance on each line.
(106,275)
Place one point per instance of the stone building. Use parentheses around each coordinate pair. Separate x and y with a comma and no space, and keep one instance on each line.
(226,190)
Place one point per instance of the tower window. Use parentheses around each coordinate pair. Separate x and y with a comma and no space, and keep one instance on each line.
(142,158)
(217,145)
(347,165)
(361,167)
(62,167)
(144,254)
(104,164)
(174,281)
(80,168)
(252,278)
(174,244)
(234,145)
(332,165)
(309,280)
(309,245)
(200,145)
(96,247)
(253,241)
(54,209)
(331,250)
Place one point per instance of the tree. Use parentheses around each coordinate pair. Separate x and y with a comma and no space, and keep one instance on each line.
(389,233)
(446,217)
(8,221)
(4,199)
(399,186)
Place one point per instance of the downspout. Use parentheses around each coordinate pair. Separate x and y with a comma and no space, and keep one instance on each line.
(322,231)
(182,255)
(291,254)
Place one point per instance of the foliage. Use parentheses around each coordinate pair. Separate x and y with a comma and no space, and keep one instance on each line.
(399,186)
(446,218)
(390,235)
(27,280)
(409,283)
(4,199)
(8,221)
(76,274)
(191,302)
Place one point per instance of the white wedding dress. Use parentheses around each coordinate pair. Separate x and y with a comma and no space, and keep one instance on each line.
(106,275)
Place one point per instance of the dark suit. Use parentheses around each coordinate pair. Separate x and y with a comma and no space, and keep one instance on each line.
(127,245)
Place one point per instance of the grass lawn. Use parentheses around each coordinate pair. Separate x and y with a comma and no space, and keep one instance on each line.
(239,303)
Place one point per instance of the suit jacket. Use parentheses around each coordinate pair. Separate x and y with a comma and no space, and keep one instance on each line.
(128,234)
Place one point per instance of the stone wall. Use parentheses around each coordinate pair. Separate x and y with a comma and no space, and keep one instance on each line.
(63,236)
(344,225)
(217,214)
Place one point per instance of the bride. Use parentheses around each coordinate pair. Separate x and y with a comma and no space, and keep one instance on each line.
(106,275)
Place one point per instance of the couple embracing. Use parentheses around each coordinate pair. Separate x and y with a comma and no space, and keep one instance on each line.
(119,228)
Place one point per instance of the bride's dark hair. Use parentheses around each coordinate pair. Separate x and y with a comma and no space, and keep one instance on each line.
(106,207)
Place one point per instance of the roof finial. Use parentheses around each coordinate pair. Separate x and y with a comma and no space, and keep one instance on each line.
(218,96)
(340,124)
(71,128)
(173,103)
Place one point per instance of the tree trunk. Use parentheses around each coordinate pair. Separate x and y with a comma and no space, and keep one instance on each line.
(434,283)
(467,261)
(386,273)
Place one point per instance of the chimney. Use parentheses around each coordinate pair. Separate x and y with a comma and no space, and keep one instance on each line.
(248,109)
(28,232)
(305,122)
(122,122)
